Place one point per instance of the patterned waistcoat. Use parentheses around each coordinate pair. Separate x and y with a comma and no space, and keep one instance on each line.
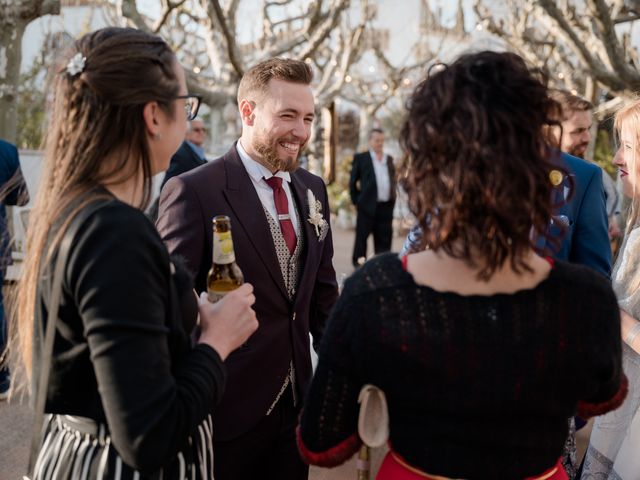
(290,269)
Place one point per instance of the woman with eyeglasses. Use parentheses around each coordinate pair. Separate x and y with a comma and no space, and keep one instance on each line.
(125,393)
(473,338)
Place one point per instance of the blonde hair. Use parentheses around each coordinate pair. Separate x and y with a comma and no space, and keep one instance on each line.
(627,119)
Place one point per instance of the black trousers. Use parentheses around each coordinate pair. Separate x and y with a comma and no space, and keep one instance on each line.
(266,452)
(381,227)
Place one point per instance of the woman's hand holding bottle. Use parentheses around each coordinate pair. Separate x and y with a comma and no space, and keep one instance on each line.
(228,323)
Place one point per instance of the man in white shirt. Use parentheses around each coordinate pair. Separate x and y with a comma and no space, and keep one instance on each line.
(373,191)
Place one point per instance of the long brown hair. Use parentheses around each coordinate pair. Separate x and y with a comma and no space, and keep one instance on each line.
(97,115)
(477,160)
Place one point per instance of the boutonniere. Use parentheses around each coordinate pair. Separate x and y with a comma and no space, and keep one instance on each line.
(315,216)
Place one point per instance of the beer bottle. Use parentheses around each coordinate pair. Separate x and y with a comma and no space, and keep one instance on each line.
(225,275)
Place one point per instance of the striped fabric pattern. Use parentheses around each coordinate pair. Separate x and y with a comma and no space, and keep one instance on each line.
(76,448)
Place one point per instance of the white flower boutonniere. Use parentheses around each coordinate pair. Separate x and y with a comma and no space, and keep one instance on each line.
(315,216)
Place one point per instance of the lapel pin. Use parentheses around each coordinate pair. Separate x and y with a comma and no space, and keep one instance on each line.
(556,177)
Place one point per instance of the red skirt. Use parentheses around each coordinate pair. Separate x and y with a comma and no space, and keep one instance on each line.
(395,468)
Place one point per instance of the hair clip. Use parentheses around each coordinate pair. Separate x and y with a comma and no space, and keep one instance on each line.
(436,68)
(76,64)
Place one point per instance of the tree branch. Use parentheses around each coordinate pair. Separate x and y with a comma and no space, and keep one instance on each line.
(217,17)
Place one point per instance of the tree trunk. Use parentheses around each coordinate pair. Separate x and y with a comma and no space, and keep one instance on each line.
(14,17)
(10,59)
(366,124)
(330,123)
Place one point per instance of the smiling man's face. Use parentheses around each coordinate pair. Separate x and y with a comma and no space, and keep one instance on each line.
(281,125)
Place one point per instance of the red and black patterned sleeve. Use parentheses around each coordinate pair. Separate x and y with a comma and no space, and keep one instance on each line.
(327,434)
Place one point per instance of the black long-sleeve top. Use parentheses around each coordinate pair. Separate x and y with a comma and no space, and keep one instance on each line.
(478,387)
(121,354)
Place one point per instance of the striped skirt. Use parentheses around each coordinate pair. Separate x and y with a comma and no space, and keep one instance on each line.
(76,448)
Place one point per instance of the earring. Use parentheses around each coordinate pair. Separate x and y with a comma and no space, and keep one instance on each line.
(157,136)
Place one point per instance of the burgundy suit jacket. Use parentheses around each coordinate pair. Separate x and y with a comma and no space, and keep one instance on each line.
(257,370)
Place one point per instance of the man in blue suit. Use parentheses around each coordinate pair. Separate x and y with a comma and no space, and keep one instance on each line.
(585,214)
(13,191)
(191,153)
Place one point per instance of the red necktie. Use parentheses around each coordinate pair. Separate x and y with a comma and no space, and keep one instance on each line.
(282,207)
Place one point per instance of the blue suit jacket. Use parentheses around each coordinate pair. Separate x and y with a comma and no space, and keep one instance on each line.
(586,239)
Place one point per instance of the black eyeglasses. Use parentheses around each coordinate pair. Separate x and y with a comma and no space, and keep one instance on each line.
(191,105)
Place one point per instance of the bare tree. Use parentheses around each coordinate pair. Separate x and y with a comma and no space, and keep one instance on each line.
(390,82)
(15,15)
(207,36)
(585,45)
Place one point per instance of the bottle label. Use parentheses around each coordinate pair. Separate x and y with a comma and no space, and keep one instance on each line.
(215,296)
(223,252)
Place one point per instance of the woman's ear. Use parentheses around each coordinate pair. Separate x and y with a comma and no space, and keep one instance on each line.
(150,114)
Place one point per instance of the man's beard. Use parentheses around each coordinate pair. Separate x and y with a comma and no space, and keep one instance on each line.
(578,150)
(268,150)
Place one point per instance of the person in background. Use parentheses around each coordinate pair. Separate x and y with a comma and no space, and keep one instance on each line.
(615,439)
(372,186)
(587,227)
(574,138)
(191,153)
(13,191)
(127,395)
(458,334)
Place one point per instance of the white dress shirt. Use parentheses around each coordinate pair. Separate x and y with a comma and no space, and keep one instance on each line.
(258,173)
(383,181)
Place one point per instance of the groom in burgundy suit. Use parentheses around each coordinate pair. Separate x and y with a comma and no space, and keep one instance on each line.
(280,227)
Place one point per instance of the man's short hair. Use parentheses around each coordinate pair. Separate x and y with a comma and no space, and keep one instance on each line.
(256,79)
(373,131)
(570,103)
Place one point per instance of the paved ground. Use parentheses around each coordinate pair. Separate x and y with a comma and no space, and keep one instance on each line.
(16,418)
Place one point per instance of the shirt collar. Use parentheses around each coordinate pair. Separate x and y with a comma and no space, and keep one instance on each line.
(374,156)
(256,170)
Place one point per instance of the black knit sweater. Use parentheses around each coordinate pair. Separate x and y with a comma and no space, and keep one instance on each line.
(477,386)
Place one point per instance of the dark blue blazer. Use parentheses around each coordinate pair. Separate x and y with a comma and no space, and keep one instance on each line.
(183,160)
(586,239)
(13,191)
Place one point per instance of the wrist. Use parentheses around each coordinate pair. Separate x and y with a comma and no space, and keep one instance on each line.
(218,345)
(631,335)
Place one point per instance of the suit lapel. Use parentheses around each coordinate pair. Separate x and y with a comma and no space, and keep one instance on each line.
(249,212)
(299,191)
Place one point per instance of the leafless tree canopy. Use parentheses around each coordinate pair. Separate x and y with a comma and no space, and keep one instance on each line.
(585,45)
(209,36)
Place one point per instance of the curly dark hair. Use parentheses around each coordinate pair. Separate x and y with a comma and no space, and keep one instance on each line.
(477,163)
